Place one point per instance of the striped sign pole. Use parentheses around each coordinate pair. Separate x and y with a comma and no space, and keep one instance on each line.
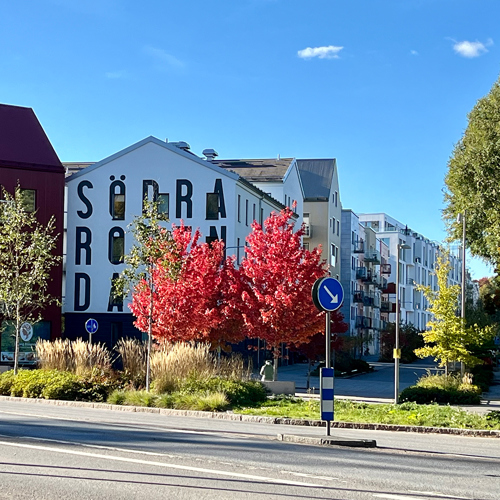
(326,394)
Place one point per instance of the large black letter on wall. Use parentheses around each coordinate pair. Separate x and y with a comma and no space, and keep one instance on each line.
(114,301)
(222,204)
(86,282)
(214,236)
(86,201)
(83,245)
(145,191)
(186,198)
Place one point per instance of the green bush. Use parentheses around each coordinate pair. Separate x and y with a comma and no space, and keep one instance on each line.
(6,381)
(237,392)
(117,397)
(483,376)
(426,395)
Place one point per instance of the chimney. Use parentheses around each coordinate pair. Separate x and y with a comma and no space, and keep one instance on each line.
(181,145)
(210,154)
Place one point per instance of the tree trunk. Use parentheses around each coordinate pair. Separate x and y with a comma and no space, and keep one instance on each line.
(150,334)
(16,349)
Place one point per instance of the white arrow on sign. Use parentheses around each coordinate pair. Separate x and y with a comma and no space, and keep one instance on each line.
(335,298)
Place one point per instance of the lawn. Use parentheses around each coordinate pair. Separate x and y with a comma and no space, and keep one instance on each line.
(432,415)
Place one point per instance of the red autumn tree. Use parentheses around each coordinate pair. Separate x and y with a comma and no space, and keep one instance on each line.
(198,301)
(279,274)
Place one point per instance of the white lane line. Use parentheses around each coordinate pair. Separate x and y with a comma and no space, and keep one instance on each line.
(439,495)
(392,496)
(312,476)
(161,464)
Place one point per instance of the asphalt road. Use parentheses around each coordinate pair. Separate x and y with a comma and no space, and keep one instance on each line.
(51,452)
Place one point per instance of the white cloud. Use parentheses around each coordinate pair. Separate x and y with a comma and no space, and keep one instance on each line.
(330,52)
(471,49)
(413,52)
(163,58)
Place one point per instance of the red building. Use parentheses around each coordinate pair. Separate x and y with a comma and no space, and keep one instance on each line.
(28,159)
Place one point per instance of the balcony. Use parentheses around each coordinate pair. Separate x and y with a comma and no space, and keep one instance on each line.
(358,246)
(383,283)
(361,273)
(307,231)
(410,281)
(363,322)
(372,256)
(358,296)
(387,307)
(391,288)
(385,269)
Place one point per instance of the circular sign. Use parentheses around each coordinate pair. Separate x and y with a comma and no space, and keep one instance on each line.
(91,325)
(328,294)
(26,332)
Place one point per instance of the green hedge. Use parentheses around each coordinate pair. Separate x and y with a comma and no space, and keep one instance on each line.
(53,384)
(426,395)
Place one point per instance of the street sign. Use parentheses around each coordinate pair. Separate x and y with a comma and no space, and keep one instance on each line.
(91,325)
(26,332)
(327,294)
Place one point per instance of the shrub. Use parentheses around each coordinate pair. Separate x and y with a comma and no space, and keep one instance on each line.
(133,354)
(238,392)
(140,398)
(200,401)
(426,395)
(6,381)
(117,397)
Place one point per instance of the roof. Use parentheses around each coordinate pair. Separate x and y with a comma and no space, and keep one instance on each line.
(23,142)
(75,166)
(258,170)
(316,177)
(78,172)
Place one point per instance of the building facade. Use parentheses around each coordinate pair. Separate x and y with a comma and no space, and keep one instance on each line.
(102,200)
(28,160)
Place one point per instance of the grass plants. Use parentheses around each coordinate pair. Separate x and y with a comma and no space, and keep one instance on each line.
(404,414)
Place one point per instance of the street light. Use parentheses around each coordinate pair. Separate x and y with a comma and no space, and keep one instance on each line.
(397,350)
(461,218)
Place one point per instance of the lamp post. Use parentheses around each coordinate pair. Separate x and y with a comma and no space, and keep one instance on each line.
(461,218)
(397,350)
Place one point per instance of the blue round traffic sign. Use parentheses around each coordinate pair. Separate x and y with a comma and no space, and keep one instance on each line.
(91,325)
(328,294)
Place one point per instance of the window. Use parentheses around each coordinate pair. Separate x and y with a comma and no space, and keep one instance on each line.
(253,212)
(338,228)
(237,251)
(332,255)
(333,224)
(163,204)
(118,207)
(353,263)
(28,199)
(212,206)
(246,212)
(239,208)
(305,246)
(336,198)
(117,251)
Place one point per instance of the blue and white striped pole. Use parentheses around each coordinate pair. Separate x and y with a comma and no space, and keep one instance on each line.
(326,393)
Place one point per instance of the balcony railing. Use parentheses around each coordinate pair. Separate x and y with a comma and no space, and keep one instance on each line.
(363,322)
(361,273)
(387,307)
(358,296)
(358,246)
(372,256)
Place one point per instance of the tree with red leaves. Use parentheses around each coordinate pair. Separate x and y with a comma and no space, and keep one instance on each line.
(198,301)
(279,274)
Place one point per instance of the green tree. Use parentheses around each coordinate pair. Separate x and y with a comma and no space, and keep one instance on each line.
(449,338)
(26,259)
(473,178)
(153,244)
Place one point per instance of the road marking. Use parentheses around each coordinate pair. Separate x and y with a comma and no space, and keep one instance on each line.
(311,476)
(392,496)
(161,464)
(440,495)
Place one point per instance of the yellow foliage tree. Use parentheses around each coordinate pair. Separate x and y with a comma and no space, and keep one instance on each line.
(448,337)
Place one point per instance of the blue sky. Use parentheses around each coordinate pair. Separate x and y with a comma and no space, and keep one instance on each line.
(384,86)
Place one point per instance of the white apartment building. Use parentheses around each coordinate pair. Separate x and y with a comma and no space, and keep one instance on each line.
(416,266)
(364,259)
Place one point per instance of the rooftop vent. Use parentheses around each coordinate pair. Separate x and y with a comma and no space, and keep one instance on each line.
(210,154)
(181,145)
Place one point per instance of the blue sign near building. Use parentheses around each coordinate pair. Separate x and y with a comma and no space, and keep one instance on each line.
(328,294)
(91,325)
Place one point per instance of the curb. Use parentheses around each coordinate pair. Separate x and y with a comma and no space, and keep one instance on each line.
(237,417)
